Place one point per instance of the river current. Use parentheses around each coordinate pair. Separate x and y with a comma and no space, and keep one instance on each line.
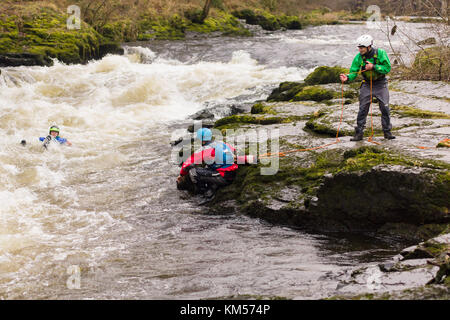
(103,219)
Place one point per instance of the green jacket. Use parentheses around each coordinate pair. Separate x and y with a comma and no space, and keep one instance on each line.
(382,67)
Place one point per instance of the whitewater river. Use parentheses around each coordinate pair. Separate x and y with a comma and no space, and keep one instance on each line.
(108,207)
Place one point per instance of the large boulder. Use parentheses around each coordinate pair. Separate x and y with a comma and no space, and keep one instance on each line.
(365,189)
(286,91)
(325,74)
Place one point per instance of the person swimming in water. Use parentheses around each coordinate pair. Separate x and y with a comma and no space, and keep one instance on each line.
(54,135)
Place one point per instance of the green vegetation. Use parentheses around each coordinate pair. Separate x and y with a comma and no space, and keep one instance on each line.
(222,22)
(430,64)
(260,108)
(43,32)
(175,27)
(267,20)
(325,16)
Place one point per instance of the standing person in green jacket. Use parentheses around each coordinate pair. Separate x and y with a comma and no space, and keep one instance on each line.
(373,64)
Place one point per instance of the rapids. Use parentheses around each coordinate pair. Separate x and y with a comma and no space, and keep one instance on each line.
(108,205)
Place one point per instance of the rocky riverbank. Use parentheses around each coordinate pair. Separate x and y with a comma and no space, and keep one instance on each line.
(398,188)
(34,33)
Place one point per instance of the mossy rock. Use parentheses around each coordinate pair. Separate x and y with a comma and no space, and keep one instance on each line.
(221,22)
(24,59)
(427,42)
(286,91)
(260,108)
(124,30)
(314,93)
(413,112)
(325,74)
(326,128)
(175,27)
(268,21)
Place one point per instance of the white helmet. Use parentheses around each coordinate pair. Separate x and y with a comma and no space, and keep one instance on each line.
(365,41)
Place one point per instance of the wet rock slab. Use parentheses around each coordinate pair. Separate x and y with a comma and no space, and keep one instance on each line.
(350,186)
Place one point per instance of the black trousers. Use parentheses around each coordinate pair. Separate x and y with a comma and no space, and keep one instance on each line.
(206,178)
(381,92)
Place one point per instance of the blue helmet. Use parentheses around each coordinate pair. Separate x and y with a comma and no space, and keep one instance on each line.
(204,134)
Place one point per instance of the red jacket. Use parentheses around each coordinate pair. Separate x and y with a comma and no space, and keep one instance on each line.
(207,155)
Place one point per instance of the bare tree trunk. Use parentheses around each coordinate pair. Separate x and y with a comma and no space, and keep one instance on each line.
(205,10)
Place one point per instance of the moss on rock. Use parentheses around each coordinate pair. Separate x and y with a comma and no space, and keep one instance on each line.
(413,112)
(267,20)
(314,93)
(176,27)
(286,91)
(222,22)
(44,33)
(325,74)
(346,190)
(326,128)
(260,108)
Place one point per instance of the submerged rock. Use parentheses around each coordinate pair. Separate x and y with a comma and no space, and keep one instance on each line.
(23,59)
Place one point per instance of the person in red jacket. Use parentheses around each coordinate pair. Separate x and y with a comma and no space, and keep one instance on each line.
(219,167)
